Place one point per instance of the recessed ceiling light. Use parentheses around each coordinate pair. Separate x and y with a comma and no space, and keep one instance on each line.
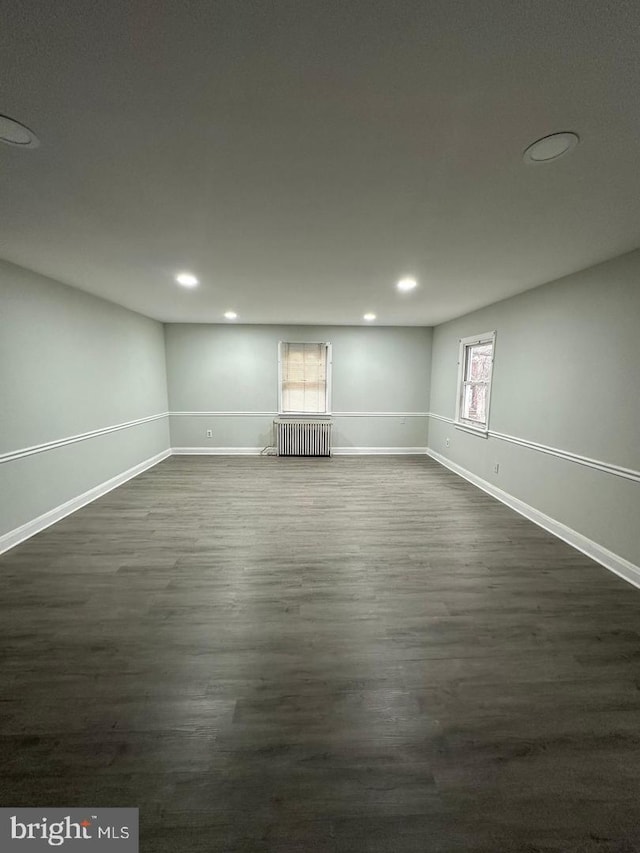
(230,315)
(551,147)
(369,317)
(406,284)
(14,133)
(186,279)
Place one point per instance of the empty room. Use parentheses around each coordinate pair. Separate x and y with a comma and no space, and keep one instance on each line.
(319,426)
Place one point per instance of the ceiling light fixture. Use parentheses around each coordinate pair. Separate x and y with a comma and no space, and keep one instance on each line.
(230,315)
(369,317)
(12,132)
(186,279)
(550,147)
(406,284)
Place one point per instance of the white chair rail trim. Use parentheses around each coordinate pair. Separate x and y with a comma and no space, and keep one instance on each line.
(275,414)
(598,464)
(71,439)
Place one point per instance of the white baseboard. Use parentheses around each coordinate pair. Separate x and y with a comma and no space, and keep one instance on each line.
(379,451)
(217,451)
(25,531)
(619,565)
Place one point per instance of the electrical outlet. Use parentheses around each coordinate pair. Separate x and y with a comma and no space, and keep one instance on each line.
(447,442)
(496,468)
(209,433)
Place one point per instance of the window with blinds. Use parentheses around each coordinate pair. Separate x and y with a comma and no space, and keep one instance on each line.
(305,374)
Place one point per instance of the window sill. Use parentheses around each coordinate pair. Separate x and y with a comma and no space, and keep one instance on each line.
(482,432)
(298,415)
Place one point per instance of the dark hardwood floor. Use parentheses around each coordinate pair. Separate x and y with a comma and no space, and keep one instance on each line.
(345,655)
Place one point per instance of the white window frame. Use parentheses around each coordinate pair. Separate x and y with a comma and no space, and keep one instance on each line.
(327,400)
(465,423)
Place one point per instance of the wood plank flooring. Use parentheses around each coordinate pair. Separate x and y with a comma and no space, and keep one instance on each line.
(335,655)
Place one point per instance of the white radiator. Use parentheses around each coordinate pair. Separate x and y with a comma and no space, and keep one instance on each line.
(298,437)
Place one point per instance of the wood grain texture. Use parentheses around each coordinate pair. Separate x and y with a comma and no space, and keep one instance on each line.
(336,655)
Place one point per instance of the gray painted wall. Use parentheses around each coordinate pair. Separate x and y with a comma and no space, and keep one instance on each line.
(234,368)
(566,374)
(71,363)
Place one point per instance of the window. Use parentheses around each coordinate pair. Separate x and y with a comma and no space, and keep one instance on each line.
(475,368)
(304,378)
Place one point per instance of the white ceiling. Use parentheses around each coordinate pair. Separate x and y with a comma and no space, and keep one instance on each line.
(299,156)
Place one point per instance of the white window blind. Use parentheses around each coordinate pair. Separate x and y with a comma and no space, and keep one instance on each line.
(304,378)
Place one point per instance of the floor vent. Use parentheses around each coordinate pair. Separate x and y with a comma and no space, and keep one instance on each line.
(298,437)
